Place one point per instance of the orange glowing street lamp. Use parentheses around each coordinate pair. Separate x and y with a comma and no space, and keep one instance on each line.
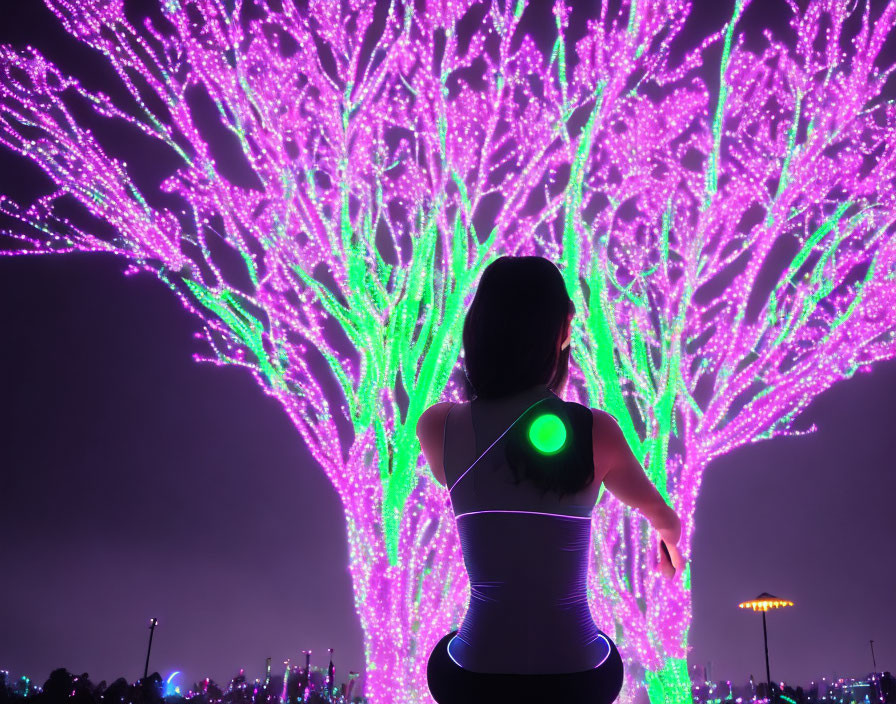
(763,603)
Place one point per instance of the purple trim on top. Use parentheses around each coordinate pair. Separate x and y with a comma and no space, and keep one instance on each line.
(536,513)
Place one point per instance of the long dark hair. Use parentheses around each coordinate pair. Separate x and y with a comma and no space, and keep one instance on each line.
(512,328)
(510,344)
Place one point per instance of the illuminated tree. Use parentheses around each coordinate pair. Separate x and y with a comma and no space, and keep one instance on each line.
(730,255)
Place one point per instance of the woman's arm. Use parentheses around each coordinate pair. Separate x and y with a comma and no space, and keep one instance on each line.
(622,474)
(431,434)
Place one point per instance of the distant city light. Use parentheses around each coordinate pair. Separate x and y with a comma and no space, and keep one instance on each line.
(170,687)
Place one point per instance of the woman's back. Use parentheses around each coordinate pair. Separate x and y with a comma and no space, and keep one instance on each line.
(526,551)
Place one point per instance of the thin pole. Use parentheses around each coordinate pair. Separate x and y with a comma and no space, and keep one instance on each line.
(152,628)
(880,694)
(768,677)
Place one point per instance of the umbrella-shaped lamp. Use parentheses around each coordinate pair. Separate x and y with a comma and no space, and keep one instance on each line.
(763,603)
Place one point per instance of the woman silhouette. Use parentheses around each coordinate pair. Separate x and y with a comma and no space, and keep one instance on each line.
(523,469)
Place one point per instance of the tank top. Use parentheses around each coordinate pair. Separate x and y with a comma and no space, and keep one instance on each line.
(525,551)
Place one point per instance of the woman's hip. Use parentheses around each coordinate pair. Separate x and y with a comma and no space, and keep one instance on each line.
(449,682)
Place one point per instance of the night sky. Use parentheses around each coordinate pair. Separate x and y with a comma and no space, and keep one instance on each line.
(135,482)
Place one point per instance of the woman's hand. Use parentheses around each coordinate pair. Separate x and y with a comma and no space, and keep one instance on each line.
(670,560)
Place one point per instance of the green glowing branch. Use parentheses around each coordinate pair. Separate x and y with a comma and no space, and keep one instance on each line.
(827,227)
(784,177)
(712,173)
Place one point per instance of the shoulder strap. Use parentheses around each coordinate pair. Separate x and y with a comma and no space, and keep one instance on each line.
(464,473)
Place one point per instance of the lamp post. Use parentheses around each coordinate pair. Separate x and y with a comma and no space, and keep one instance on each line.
(152,627)
(880,694)
(763,603)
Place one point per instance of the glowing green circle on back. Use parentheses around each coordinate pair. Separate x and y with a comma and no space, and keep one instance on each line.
(547,434)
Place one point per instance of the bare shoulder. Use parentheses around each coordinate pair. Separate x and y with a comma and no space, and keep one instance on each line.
(430,427)
(607,439)
(603,420)
(433,415)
